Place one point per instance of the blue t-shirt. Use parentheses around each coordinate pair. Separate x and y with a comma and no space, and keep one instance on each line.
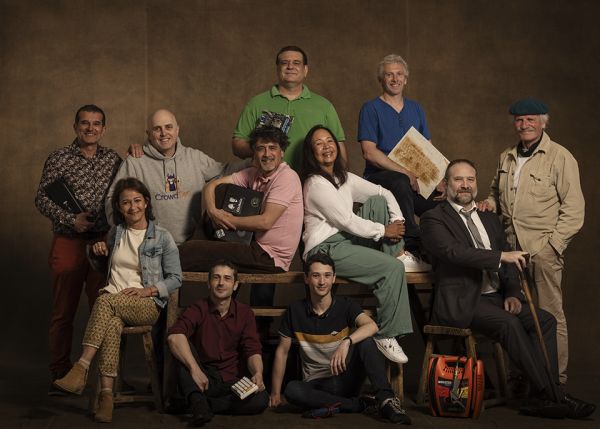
(380,123)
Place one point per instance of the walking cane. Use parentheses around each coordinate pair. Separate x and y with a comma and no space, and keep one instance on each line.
(525,279)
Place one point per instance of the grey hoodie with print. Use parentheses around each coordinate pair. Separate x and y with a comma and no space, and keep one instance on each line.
(175,185)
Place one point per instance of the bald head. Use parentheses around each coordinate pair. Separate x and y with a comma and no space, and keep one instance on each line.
(163,132)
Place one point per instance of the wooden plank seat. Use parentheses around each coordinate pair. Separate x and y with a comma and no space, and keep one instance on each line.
(414,280)
(297,277)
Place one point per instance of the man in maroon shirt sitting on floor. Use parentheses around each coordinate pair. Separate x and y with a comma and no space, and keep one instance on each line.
(223,333)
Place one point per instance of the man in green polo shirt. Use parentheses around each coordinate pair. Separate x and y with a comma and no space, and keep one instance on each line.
(289,105)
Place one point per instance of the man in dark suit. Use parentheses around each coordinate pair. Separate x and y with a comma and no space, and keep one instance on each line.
(477,286)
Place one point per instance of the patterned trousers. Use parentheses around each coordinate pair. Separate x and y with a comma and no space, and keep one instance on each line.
(111,312)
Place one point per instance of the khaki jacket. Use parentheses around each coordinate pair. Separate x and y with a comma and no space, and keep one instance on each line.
(547,205)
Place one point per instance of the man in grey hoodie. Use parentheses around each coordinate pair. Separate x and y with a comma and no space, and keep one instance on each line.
(174,174)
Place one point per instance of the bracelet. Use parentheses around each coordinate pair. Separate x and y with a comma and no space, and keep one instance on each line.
(349,339)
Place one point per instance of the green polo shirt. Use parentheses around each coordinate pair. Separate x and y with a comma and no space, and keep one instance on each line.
(308,110)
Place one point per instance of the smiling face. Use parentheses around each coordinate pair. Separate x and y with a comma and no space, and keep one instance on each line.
(267,156)
(163,132)
(462,184)
(394,79)
(89,128)
(291,69)
(221,283)
(324,149)
(320,280)
(132,206)
(529,128)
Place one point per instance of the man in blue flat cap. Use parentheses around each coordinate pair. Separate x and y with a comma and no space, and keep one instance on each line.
(536,192)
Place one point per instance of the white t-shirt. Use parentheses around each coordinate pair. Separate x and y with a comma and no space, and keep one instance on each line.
(125,268)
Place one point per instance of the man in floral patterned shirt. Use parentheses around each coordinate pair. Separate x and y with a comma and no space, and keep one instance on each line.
(87,169)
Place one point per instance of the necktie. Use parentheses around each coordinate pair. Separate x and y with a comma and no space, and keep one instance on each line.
(473,228)
(494,280)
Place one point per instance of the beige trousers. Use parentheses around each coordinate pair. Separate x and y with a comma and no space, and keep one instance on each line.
(547,275)
(111,312)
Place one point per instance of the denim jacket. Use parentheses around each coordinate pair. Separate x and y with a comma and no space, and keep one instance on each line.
(159,260)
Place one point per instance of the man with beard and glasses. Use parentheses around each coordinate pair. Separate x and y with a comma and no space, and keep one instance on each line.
(477,287)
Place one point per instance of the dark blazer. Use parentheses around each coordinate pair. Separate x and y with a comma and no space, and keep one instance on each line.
(459,265)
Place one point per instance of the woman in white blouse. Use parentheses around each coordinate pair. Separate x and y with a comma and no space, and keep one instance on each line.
(364,245)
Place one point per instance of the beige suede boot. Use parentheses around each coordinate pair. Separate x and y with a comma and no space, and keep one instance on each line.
(105,407)
(74,381)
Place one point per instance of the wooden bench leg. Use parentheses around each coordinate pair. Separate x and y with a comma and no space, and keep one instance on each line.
(395,375)
(502,388)
(471,350)
(94,378)
(501,365)
(151,362)
(122,357)
(424,369)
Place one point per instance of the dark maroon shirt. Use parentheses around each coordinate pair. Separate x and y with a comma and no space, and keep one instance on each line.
(224,343)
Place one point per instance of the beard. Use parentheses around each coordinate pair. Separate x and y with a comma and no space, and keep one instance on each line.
(463,197)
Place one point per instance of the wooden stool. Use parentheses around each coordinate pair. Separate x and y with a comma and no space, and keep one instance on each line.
(156,396)
(435,333)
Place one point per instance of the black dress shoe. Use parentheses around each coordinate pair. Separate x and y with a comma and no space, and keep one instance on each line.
(201,413)
(544,408)
(578,409)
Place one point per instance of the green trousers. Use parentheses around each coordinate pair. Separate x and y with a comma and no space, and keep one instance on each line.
(374,263)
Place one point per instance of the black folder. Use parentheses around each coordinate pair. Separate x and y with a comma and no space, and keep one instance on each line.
(238,201)
(61,193)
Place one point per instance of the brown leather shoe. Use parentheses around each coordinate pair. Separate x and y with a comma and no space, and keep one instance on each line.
(74,381)
(105,407)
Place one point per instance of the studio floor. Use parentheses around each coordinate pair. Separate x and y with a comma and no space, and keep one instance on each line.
(24,404)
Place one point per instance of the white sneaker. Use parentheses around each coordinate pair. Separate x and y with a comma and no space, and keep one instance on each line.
(391,349)
(413,264)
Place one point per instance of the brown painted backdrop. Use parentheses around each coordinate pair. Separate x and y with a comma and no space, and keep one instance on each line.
(204,59)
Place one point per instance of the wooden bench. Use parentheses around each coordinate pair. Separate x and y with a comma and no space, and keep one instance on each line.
(417,283)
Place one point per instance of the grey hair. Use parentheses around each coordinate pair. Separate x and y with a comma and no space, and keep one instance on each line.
(390,59)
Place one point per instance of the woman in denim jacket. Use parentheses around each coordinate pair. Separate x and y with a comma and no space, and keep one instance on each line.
(143,270)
